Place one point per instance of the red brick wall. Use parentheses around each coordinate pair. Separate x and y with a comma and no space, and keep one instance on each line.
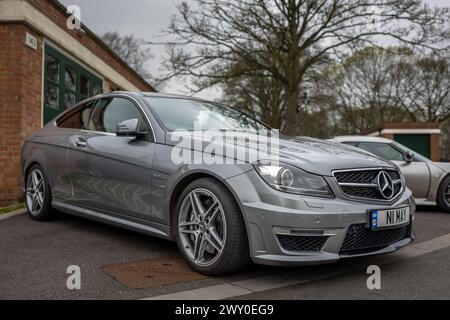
(53,10)
(21,89)
(388,136)
(20,102)
(435,147)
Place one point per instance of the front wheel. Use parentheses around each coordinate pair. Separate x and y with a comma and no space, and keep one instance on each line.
(443,197)
(211,233)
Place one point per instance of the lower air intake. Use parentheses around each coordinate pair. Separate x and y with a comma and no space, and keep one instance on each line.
(302,243)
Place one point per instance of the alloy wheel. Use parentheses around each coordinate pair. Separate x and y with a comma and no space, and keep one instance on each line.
(202,227)
(35,192)
(447,193)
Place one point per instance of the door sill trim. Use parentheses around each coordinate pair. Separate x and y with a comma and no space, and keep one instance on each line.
(150,228)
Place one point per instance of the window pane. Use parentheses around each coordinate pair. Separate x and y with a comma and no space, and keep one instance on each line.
(417,157)
(383,150)
(353,144)
(52,96)
(97,89)
(70,78)
(52,69)
(192,114)
(70,99)
(111,111)
(77,118)
(84,86)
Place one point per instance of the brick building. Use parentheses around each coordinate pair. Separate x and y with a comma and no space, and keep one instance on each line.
(45,67)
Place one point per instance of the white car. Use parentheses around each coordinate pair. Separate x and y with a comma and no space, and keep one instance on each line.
(429,181)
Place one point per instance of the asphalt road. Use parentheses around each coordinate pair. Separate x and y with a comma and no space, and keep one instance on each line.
(34,257)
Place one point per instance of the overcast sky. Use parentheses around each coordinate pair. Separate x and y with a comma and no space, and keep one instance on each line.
(145,19)
(142,18)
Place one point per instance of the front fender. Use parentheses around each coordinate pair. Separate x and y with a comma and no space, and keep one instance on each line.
(169,178)
(438,174)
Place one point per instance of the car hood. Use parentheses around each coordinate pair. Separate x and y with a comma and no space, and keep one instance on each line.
(312,155)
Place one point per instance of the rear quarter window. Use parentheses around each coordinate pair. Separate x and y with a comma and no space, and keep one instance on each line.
(78,118)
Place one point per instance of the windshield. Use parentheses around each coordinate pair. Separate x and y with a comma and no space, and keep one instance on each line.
(417,157)
(193,115)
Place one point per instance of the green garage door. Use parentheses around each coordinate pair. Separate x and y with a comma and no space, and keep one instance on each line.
(420,143)
(65,83)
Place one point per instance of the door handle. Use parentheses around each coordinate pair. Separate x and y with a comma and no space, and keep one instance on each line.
(81,143)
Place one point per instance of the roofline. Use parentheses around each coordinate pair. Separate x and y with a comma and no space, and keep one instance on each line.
(393,126)
(90,33)
(172,95)
(155,95)
(357,138)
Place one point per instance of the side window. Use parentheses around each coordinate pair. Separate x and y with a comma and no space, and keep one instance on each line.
(383,150)
(353,144)
(77,118)
(108,112)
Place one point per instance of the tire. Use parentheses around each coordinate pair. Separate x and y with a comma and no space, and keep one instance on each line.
(441,197)
(209,245)
(38,198)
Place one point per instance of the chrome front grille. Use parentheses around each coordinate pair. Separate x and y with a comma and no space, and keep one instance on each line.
(367,183)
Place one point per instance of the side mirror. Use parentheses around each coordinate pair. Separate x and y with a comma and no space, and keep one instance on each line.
(128,128)
(409,157)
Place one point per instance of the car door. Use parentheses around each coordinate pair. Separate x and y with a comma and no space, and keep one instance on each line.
(416,173)
(111,173)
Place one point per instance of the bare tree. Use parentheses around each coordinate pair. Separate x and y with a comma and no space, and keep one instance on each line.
(365,88)
(393,84)
(285,38)
(131,49)
(424,88)
(262,97)
(254,92)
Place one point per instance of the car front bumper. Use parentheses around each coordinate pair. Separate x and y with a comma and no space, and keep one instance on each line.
(289,229)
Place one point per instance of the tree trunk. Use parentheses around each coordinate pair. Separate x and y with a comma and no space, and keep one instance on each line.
(294,78)
(292,70)
(291,127)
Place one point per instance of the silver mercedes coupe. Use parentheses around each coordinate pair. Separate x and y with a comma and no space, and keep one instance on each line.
(223,185)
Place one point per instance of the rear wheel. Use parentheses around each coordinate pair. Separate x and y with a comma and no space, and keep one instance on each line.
(38,196)
(211,233)
(443,197)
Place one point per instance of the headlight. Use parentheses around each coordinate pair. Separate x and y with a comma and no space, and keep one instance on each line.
(287,178)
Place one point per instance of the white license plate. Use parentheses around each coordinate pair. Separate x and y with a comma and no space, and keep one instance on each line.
(380,219)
